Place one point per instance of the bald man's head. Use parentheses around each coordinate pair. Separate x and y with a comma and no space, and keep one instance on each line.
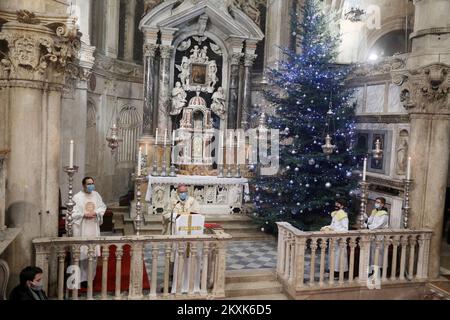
(182,188)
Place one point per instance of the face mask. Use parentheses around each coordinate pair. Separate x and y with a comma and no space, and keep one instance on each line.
(90,188)
(378,205)
(36,287)
(337,208)
(183,196)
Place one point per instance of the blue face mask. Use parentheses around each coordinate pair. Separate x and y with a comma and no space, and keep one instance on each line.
(90,188)
(183,196)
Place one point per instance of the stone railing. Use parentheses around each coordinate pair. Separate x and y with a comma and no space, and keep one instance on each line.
(145,252)
(307,260)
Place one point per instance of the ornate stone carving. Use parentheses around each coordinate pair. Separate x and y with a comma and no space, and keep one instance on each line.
(150,4)
(424,90)
(30,54)
(166,51)
(249,59)
(216,49)
(236,58)
(150,49)
(25,16)
(184,45)
(218,104)
(250,7)
(202,21)
(120,69)
(178,99)
(385,66)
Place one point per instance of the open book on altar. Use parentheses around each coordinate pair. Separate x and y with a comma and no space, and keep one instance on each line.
(191,224)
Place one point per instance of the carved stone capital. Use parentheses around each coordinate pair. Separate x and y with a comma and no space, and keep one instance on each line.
(426,89)
(37,49)
(236,58)
(249,59)
(166,51)
(150,50)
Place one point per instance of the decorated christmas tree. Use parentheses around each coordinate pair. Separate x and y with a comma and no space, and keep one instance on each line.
(315,117)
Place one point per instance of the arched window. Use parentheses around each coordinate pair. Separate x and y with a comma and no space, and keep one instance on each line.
(129,124)
(394,42)
(91,137)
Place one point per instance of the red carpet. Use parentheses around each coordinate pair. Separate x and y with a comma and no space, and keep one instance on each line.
(125,281)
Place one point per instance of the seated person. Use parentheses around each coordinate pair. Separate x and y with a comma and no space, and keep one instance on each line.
(30,287)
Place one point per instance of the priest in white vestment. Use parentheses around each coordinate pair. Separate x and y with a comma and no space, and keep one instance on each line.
(87,217)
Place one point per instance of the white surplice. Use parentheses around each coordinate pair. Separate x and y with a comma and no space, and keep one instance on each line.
(83,227)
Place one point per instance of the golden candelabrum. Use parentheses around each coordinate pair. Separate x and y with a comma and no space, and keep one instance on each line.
(364,186)
(70,203)
(138,219)
(328,147)
(406,207)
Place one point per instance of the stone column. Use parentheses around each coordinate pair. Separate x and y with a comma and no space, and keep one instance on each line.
(425,86)
(82,9)
(129,29)
(250,56)
(164,87)
(3,154)
(233,93)
(33,70)
(112,28)
(150,115)
(277,30)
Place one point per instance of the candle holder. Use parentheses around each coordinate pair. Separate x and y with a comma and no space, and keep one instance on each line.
(238,171)
(229,173)
(164,162)
(155,161)
(406,207)
(172,166)
(70,203)
(363,206)
(138,219)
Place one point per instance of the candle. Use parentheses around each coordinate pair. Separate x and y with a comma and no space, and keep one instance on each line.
(165,137)
(238,138)
(71,154)
(365,169)
(156,138)
(231,140)
(146,149)
(173,138)
(139,161)
(408,172)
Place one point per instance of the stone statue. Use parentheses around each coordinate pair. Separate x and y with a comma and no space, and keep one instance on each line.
(402,153)
(178,99)
(195,53)
(250,7)
(204,53)
(185,71)
(212,74)
(218,105)
(159,196)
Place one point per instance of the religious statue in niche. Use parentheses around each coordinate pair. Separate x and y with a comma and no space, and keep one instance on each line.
(402,152)
(212,74)
(218,104)
(178,99)
(210,194)
(159,196)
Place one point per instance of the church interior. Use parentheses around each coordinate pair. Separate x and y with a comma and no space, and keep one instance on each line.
(175,110)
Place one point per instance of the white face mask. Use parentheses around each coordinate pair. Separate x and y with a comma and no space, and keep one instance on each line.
(378,205)
(36,286)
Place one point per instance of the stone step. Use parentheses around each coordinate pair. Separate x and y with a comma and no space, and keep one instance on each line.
(242,289)
(238,276)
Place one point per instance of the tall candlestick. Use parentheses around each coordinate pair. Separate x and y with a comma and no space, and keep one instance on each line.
(71,155)
(365,169)
(156,137)
(139,161)
(408,172)
(165,137)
